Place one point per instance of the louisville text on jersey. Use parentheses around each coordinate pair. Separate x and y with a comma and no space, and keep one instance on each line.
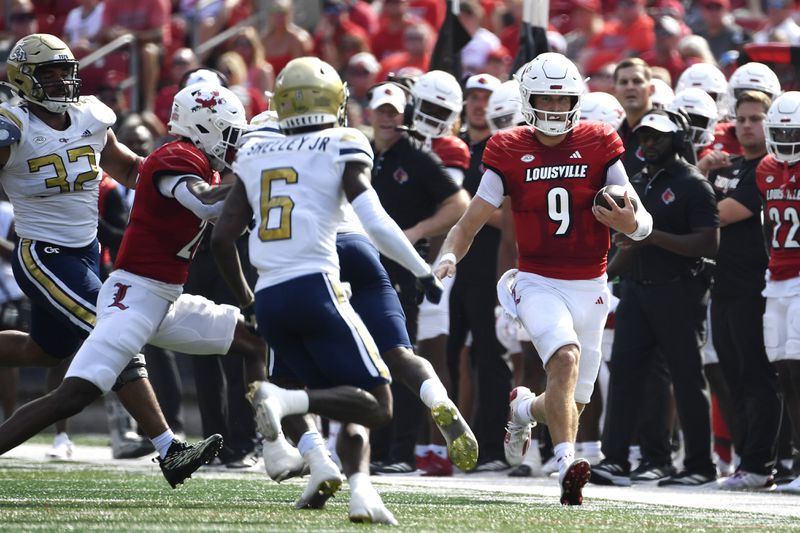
(556,172)
(783,194)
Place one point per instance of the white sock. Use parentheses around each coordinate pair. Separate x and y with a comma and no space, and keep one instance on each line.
(310,440)
(432,392)
(565,454)
(439,450)
(293,402)
(591,447)
(360,482)
(163,442)
(524,409)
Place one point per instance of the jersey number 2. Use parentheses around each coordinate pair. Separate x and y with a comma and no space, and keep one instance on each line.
(284,204)
(790,217)
(558,209)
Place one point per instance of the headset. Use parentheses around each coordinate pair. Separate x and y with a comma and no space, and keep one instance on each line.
(682,139)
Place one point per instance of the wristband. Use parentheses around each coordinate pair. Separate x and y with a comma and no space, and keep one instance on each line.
(449,256)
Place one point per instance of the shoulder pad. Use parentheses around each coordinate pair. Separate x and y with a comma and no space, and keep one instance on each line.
(98,109)
(9,131)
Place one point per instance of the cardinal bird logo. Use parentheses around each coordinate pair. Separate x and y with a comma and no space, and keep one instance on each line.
(668,196)
(208,101)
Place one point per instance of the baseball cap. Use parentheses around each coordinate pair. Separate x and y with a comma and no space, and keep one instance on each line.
(388,93)
(486,82)
(659,121)
(366,61)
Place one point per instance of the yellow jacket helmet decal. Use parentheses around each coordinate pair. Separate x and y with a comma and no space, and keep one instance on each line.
(309,92)
(29,56)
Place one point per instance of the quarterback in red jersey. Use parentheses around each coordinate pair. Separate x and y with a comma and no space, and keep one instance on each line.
(551,171)
(141,301)
(778,180)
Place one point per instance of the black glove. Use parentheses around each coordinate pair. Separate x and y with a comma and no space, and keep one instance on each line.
(431,287)
(249,313)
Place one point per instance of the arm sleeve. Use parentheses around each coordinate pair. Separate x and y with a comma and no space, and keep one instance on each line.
(187,199)
(387,235)
(491,188)
(616,175)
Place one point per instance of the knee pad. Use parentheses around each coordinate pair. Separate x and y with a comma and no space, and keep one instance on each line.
(136,369)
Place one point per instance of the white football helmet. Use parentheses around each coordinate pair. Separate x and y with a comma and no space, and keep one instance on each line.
(552,74)
(602,107)
(262,126)
(782,128)
(505,107)
(662,95)
(755,76)
(709,78)
(212,117)
(437,101)
(702,112)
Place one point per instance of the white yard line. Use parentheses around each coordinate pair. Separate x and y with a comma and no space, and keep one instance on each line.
(697,498)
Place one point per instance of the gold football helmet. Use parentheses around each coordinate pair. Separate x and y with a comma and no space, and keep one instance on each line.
(33,69)
(309,92)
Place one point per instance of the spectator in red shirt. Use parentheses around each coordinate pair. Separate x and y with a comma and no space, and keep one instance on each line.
(418,41)
(284,39)
(183,60)
(431,11)
(394,19)
(233,67)
(665,52)
(629,33)
(333,30)
(149,22)
(260,74)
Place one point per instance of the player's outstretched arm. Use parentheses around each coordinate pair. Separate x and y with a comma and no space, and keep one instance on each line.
(236,215)
(120,162)
(460,237)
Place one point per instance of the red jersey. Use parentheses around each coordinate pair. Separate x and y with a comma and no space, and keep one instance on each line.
(162,235)
(453,152)
(725,139)
(780,185)
(551,190)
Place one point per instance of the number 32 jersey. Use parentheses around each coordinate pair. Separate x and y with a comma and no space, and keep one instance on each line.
(162,235)
(294,187)
(52,177)
(552,189)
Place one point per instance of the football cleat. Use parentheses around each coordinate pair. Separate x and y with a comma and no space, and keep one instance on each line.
(268,410)
(742,480)
(282,460)
(183,459)
(62,448)
(367,507)
(462,446)
(572,480)
(325,480)
(518,431)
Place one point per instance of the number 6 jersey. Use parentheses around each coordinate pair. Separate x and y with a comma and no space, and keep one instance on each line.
(551,190)
(52,176)
(294,187)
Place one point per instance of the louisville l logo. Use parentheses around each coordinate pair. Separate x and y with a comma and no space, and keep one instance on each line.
(122,290)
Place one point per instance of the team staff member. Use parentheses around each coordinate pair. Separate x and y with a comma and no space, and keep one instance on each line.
(664,294)
(736,324)
(423,199)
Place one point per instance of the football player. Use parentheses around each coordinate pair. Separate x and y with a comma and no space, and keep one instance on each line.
(296,187)
(777,179)
(51,146)
(551,171)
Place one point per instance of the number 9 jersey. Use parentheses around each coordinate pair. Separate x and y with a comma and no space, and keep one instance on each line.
(551,190)
(294,187)
(52,176)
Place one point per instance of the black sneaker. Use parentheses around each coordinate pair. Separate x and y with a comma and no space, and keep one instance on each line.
(395,468)
(493,465)
(184,459)
(609,473)
(687,478)
(650,472)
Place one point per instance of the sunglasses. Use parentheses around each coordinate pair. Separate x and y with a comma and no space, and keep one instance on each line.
(22,17)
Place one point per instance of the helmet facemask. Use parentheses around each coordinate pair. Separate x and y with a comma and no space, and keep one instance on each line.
(431,119)
(783,142)
(552,123)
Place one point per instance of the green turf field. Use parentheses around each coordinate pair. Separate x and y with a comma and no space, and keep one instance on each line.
(80,497)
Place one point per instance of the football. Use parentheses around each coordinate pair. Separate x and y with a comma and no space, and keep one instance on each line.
(617,193)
